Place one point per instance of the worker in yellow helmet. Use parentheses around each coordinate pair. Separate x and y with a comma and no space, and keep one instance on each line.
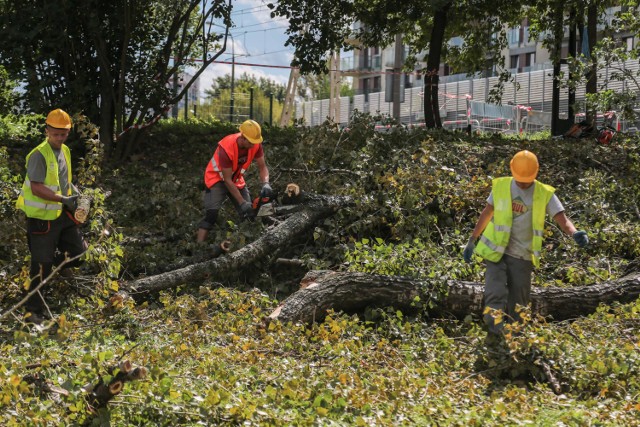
(224,175)
(509,233)
(48,198)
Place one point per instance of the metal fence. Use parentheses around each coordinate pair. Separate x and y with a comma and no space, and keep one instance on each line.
(526,103)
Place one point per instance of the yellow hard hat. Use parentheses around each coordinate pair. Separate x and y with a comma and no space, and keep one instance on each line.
(59,119)
(524,166)
(250,129)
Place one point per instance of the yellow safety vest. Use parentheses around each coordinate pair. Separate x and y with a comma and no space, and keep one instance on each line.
(34,206)
(495,238)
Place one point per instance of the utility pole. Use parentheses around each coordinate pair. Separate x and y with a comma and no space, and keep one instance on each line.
(251,103)
(186,105)
(271,109)
(397,68)
(174,108)
(233,76)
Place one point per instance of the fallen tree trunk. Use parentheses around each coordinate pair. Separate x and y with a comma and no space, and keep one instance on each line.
(226,267)
(352,292)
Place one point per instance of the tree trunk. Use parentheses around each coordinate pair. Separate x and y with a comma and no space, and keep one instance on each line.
(431,105)
(592,79)
(352,292)
(227,267)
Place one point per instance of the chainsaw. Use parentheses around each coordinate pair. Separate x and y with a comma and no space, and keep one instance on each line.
(268,206)
(264,206)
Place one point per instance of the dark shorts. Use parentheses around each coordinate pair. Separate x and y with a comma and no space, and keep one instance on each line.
(215,197)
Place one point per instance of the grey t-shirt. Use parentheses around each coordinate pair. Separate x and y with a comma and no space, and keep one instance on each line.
(37,169)
(522,227)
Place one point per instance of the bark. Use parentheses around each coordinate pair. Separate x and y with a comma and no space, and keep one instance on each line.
(352,292)
(431,104)
(100,394)
(227,267)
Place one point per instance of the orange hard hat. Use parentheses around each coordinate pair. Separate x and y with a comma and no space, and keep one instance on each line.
(59,119)
(250,129)
(524,166)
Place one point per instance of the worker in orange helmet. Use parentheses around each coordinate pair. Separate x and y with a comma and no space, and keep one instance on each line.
(224,175)
(49,199)
(509,234)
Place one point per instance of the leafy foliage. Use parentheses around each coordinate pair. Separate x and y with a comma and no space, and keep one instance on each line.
(114,62)
(264,92)
(8,94)
(212,357)
(212,360)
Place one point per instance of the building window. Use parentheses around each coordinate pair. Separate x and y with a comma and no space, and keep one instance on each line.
(376,84)
(407,81)
(515,61)
(530,59)
(627,43)
(513,36)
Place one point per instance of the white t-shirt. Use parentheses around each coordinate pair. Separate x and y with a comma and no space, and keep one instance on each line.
(522,227)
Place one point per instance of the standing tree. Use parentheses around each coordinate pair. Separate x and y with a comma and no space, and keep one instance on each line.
(218,98)
(586,53)
(7,92)
(115,61)
(317,86)
(317,27)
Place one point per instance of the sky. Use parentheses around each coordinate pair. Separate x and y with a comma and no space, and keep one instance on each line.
(258,40)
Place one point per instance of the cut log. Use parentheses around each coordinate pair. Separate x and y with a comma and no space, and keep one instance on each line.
(100,394)
(352,292)
(227,267)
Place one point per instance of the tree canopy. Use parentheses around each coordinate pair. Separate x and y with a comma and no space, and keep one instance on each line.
(114,61)
(317,27)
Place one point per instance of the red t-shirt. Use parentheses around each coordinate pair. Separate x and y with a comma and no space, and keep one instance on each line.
(225,161)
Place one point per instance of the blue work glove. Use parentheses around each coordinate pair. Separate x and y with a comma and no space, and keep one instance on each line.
(247,210)
(581,238)
(468,250)
(70,202)
(266,191)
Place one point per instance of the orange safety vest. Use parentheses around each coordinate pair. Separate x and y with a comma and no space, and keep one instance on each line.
(213,172)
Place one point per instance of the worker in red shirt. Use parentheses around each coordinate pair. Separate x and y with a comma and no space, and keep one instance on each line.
(224,175)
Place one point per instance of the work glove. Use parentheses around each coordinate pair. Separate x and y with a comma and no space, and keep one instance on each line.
(247,210)
(468,250)
(266,191)
(581,238)
(70,202)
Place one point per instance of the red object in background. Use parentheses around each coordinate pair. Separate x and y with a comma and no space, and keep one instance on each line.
(605,136)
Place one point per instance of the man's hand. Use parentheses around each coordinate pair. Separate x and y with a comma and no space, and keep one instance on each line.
(468,250)
(247,210)
(581,238)
(70,202)
(266,191)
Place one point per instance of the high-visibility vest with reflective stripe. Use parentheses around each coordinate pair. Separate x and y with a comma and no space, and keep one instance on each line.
(34,206)
(213,172)
(495,238)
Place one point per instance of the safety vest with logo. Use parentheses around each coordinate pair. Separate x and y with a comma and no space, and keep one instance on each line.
(34,206)
(213,172)
(495,238)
